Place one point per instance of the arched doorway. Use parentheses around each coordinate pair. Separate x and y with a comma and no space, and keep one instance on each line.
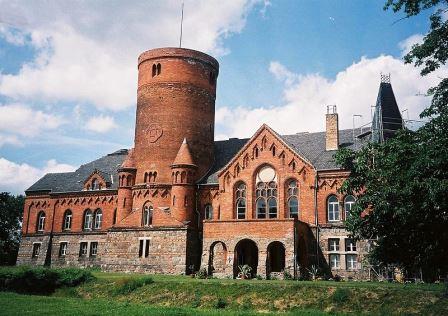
(218,258)
(246,252)
(275,259)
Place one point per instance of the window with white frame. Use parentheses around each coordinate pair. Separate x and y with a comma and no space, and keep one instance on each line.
(350,244)
(41,221)
(98,218)
(293,202)
(335,261)
(147,214)
(208,211)
(93,248)
(88,219)
(83,249)
(349,201)
(240,200)
(351,262)
(62,249)
(333,209)
(67,220)
(36,250)
(143,251)
(266,193)
(333,244)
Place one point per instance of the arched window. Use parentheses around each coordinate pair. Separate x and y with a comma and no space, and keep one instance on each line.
(88,219)
(94,184)
(208,211)
(154,70)
(129,180)
(348,204)
(147,214)
(67,220)
(41,221)
(333,209)
(266,193)
(98,218)
(240,201)
(159,69)
(293,201)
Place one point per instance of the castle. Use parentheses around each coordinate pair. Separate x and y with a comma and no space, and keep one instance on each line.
(180,201)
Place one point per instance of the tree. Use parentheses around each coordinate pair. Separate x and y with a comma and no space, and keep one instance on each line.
(402,184)
(11,210)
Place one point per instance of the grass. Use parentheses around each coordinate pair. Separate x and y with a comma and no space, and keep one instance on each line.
(135,294)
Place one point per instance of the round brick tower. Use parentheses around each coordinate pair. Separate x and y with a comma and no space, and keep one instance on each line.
(175,100)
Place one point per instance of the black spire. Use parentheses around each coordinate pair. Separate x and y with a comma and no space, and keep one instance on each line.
(387,119)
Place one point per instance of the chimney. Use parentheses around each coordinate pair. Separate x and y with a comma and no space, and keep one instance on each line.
(332,132)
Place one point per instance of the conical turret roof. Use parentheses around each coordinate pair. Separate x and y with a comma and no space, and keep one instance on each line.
(129,162)
(387,119)
(184,156)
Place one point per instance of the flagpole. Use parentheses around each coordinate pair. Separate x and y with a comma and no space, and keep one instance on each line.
(181,22)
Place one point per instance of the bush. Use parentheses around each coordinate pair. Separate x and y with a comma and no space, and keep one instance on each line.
(202,274)
(128,285)
(40,280)
(341,295)
(220,303)
(287,275)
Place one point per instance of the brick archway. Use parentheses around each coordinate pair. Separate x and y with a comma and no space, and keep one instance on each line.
(275,259)
(246,252)
(217,258)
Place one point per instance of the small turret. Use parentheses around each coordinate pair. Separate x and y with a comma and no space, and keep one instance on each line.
(126,179)
(183,174)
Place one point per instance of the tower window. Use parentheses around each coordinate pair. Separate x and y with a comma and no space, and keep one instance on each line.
(156,69)
(147,214)
(208,212)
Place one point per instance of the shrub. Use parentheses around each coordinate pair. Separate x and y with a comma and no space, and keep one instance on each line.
(40,280)
(128,285)
(220,303)
(202,274)
(341,295)
(287,275)
(73,277)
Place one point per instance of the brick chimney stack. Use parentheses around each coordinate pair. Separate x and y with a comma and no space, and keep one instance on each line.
(332,131)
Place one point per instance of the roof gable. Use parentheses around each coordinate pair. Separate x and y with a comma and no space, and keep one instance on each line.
(261,141)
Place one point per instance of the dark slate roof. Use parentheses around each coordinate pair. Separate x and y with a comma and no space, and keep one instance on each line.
(387,118)
(74,181)
(310,146)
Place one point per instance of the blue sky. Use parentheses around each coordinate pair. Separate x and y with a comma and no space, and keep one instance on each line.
(68,71)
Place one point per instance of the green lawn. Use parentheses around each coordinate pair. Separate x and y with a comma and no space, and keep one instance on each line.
(182,295)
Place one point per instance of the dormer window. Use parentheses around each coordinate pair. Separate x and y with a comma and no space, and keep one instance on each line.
(95,185)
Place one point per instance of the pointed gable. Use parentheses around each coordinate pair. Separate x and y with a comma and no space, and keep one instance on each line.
(252,148)
(184,156)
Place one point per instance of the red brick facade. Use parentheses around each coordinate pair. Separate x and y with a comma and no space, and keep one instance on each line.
(152,217)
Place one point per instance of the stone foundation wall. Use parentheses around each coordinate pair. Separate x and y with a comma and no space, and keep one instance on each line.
(167,251)
(343,271)
(25,255)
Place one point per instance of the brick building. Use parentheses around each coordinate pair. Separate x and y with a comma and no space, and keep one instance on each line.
(179,200)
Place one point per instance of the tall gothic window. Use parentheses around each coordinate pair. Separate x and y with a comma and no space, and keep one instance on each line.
(41,221)
(293,201)
(208,211)
(147,214)
(240,200)
(67,220)
(348,204)
(98,218)
(266,193)
(333,209)
(88,219)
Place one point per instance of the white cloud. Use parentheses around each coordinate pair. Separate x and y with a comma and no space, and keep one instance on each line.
(87,51)
(16,178)
(9,139)
(101,124)
(406,44)
(354,91)
(22,120)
